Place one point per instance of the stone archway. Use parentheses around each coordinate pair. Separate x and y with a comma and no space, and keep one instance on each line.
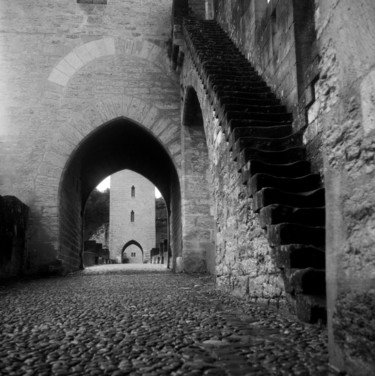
(132,246)
(114,146)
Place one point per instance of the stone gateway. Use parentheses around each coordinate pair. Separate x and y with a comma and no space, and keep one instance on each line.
(255,120)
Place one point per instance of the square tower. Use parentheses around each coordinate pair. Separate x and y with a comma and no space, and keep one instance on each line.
(132,217)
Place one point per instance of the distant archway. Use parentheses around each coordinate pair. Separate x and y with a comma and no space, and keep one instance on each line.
(117,145)
(128,257)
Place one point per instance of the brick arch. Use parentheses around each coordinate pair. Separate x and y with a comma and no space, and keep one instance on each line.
(70,64)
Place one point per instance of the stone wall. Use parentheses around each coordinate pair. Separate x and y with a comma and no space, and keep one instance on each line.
(66,69)
(102,235)
(243,259)
(264,32)
(95,254)
(346,118)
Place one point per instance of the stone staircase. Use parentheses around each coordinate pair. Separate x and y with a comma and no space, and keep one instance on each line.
(271,159)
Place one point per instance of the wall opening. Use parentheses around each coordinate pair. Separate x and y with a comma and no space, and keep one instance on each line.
(117,145)
(132,253)
(199,224)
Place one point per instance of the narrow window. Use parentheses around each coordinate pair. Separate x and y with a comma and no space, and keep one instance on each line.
(132,216)
(133,191)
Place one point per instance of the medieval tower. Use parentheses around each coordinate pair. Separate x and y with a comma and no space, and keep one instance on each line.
(132,217)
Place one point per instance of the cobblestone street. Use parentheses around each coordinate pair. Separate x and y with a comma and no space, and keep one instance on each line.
(123,320)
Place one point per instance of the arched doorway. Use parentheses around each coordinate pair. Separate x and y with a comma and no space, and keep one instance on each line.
(197,206)
(132,253)
(117,145)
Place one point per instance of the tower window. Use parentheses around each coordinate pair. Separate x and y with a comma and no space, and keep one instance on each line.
(132,216)
(133,191)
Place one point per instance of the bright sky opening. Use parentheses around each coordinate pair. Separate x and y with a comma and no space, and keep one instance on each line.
(106,184)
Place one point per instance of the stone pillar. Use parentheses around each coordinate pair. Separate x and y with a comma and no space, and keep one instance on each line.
(346,116)
(197,219)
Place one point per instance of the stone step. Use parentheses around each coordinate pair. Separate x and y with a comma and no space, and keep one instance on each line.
(285,156)
(205,41)
(291,233)
(212,84)
(207,72)
(249,101)
(293,170)
(231,83)
(266,134)
(257,108)
(229,126)
(212,48)
(269,196)
(300,184)
(272,162)
(233,67)
(298,256)
(270,117)
(220,100)
(229,89)
(274,214)
(309,281)
(210,56)
(240,96)
(266,143)
(234,76)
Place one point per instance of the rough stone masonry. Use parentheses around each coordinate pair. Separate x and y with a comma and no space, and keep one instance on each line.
(88,88)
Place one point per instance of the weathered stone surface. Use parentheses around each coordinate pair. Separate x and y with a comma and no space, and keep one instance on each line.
(87,65)
(345,121)
(119,320)
(203,40)
(354,328)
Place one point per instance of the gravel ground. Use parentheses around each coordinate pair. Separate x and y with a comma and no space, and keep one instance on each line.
(128,320)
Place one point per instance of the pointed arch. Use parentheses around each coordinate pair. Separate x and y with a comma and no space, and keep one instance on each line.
(117,145)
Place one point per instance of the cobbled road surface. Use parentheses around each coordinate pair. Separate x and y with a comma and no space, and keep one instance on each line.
(121,320)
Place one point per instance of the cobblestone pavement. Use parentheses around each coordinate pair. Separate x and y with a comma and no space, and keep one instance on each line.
(122,320)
